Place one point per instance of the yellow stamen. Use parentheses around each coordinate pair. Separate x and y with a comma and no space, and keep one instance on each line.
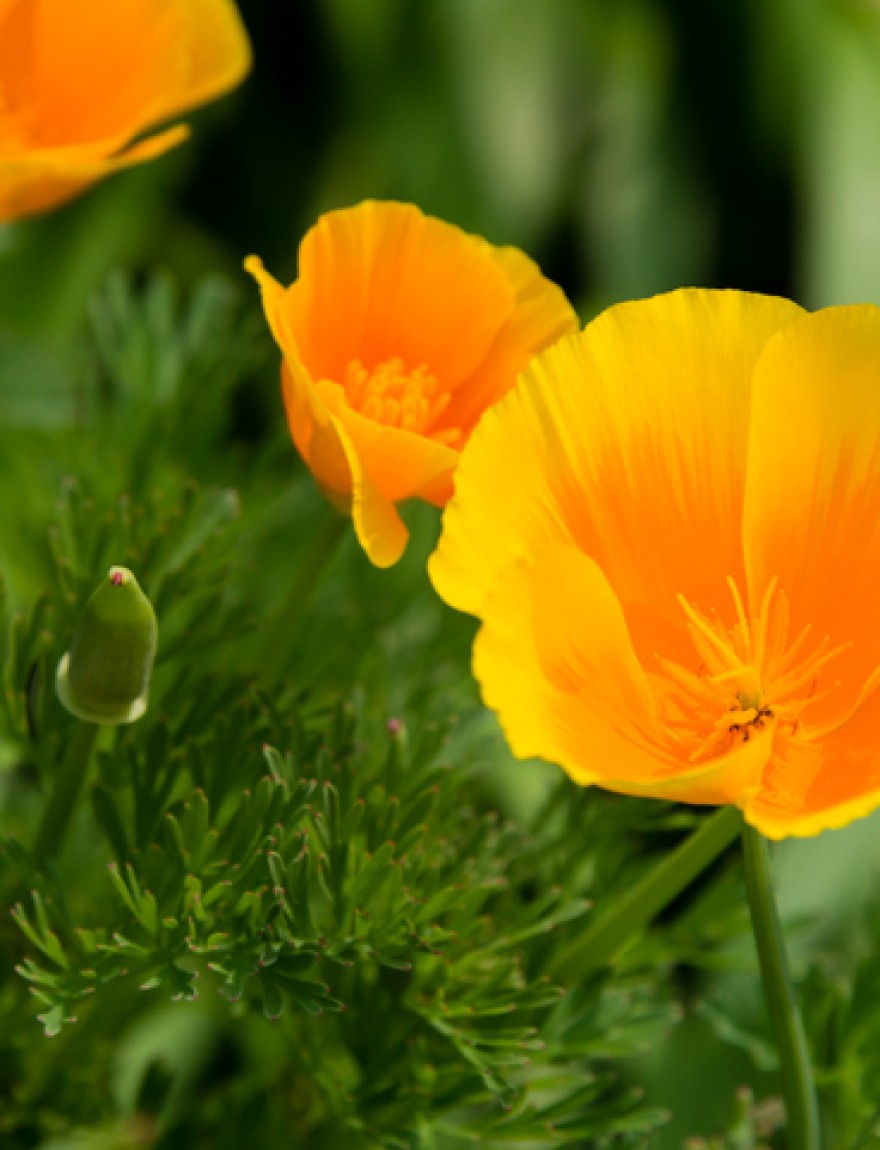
(721,645)
(748,675)
(741,616)
(760,627)
(397,397)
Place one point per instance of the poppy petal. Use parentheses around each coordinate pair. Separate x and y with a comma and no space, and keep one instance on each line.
(36,182)
(628,440)
(556,662)
(541,316)
(817,786)
(218,51)
(403,464)
(59,132)
(314,430)
(812,505)
(382,281)
(158,60)
(339,469)
(378,525)
(324,443)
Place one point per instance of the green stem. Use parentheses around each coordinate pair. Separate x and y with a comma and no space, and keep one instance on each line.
(68,784)
(794,1057)
(647,898)
(280,630)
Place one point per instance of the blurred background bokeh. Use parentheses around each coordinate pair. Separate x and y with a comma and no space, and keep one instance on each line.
(630,146)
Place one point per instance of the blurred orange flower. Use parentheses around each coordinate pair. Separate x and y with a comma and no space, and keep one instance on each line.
(678,576)
(398,334)
(81,82)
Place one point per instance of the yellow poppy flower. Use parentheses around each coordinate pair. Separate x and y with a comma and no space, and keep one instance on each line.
(397,335)
(671,533)
(81,82)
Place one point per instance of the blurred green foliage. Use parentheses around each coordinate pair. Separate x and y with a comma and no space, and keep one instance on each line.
(630,147)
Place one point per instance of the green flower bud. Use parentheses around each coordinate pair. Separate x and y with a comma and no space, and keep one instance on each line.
(105,676)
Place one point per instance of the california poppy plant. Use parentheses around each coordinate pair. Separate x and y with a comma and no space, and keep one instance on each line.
(398,333)
(671,533)
(81,83)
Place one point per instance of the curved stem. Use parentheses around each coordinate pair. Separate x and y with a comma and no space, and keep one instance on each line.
(68,784)
(648,897)
(794,1057)
(276,645)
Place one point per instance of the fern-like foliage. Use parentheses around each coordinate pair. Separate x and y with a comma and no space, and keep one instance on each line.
(291,863)
(298,911)
(345,876)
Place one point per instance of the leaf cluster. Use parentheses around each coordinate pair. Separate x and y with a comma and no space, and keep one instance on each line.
(842,1013)
(349,875)
(298,908)
(292,864)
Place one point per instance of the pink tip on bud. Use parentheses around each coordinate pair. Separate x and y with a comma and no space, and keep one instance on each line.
(395,726)
(117,578)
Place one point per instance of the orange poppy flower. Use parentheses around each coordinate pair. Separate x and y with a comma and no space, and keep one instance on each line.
(677,580)
(399,332)
(81,82)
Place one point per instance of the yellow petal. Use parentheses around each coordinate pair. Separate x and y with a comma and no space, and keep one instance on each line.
(219,52)
(157,58)
(59,128)
(325,445)
(382,281)
(541,316)
(312,426)
(314,430)
(339,469)
(812,507)
(505,505)
(272,296)
(629,440)
(35,183)
(380,530)
(317,435)
(129,49)
(813,787)
(556,662)
(403,464)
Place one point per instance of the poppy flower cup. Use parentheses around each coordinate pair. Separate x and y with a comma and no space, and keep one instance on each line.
(398,333)
(80,84)
(670,531)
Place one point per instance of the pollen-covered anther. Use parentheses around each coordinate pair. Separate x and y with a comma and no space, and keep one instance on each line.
(749,675)
(395,396)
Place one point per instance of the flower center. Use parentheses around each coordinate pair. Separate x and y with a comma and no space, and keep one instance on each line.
(392,395)
(748,674)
